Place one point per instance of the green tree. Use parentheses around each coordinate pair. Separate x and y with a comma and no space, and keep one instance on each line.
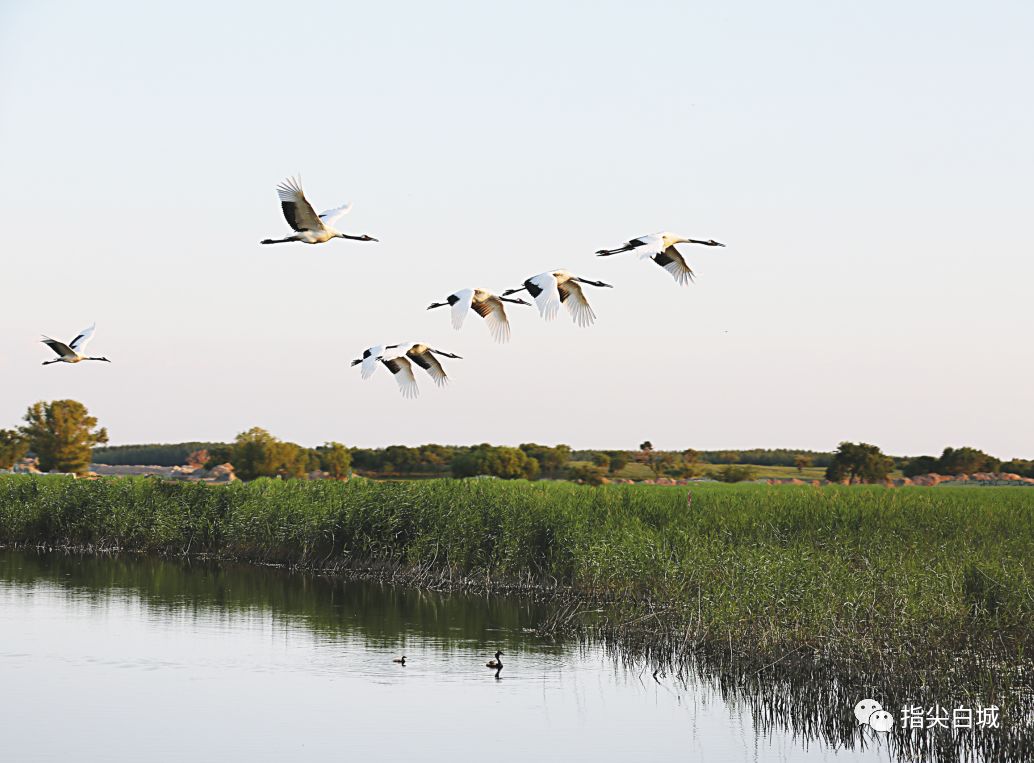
(485,459)
(618,460)
(62,434)
(727,457)
(257,453)
(690,462)
(859,462)
(13,447)
(600,459)
(801,461)
(920,465)
(646,455)
(587,473)
(734,473)
(335,459)
(253,454)
(218,455)
(966,461)
(551,460)
(1019,466)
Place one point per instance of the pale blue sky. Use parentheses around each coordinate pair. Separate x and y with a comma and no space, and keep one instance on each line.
(867,164)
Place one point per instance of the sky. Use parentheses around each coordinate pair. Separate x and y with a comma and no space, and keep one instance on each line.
(867,164)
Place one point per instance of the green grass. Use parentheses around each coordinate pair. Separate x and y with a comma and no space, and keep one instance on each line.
(862,569)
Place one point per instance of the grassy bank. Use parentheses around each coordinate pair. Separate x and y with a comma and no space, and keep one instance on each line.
(860,570)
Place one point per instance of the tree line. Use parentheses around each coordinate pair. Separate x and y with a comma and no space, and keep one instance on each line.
(66,438)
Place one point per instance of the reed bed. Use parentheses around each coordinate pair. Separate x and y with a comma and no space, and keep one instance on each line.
(864,572)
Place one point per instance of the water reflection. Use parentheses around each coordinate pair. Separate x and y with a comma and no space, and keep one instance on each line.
(186,659)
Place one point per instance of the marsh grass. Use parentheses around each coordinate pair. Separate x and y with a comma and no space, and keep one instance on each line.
(866,573)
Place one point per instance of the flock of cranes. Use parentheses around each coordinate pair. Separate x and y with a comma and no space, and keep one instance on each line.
(549,290)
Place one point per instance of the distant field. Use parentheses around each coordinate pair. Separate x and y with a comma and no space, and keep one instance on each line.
(637,471)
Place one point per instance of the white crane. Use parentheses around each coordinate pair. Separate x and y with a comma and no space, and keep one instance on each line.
(73,351)
(401,362)
(484,303)
(660,247)
(424,357)
(369,360)
(311,228)
(551,289)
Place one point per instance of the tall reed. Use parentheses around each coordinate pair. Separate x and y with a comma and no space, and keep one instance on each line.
(865,568)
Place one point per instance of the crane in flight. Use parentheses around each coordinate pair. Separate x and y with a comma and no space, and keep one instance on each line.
(311,228)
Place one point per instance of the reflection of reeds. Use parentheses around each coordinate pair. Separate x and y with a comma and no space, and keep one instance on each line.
(859,582)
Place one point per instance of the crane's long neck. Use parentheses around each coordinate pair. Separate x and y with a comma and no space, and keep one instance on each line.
(608,252)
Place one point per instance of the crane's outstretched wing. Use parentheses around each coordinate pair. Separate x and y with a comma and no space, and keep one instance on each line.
(79,343)
(331,216)
(402,369)
(427,361)
(62,349)
(543,289)
(461,306)
(492,310)
(650,245)
(369,360)
(571,294)
(297,209)
(672,261)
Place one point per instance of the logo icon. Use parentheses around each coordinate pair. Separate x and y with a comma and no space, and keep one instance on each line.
(870,713)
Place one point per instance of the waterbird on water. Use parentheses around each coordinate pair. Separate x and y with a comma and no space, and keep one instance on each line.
(73,351)
(484,303)
(495,664)
(311,228)
(660,247)
(400,660)
(551,289)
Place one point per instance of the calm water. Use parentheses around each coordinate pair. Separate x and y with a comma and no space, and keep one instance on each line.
(136,659)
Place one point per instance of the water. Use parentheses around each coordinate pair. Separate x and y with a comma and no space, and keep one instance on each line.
(128,659)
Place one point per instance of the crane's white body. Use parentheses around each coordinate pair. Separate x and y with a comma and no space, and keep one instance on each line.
(660,247)
(369,360)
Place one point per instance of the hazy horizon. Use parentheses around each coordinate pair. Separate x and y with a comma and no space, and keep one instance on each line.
(867,167)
